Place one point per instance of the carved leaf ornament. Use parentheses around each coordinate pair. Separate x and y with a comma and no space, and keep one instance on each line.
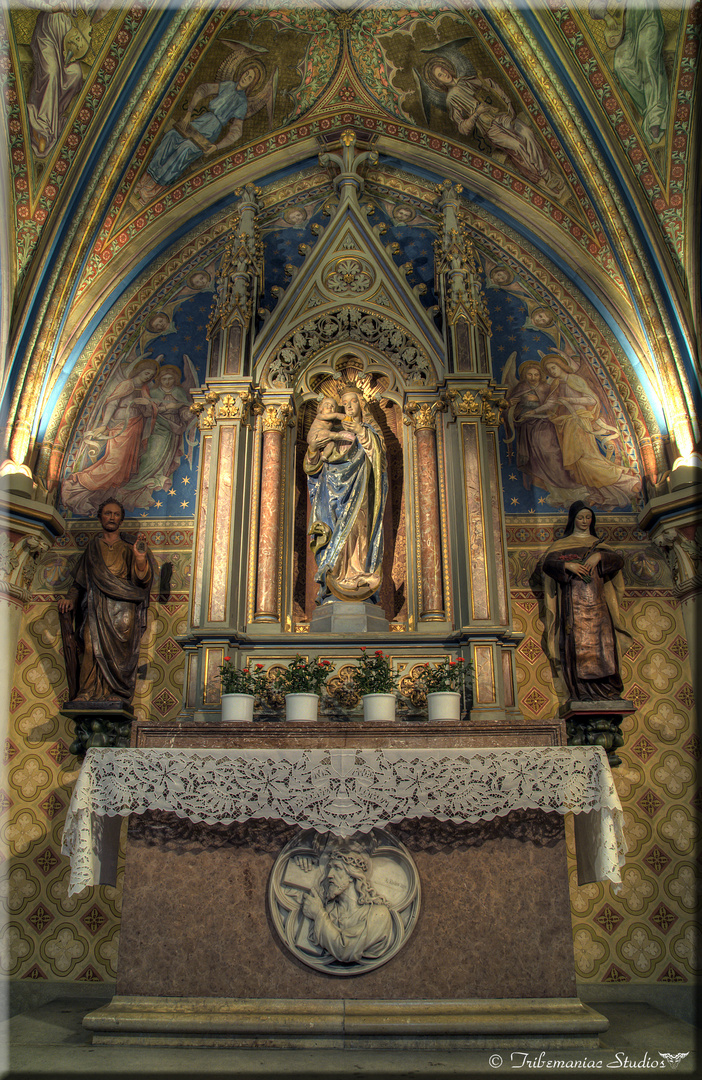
(350,324)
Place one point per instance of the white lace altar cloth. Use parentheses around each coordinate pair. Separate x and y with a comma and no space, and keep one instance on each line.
(342,791)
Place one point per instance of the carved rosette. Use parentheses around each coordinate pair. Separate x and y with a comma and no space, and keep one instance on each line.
(350,275)
(344,906)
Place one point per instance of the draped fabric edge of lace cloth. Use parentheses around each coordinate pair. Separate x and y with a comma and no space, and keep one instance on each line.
(91,838)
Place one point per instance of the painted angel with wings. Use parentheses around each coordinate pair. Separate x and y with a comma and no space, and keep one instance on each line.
(243,88)
(172,438)
(478,106)
(564,443)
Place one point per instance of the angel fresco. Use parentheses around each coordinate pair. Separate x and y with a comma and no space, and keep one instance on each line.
(538,452)
(243,87)
(144,427)
(172,438)
(564,443)
(478,106)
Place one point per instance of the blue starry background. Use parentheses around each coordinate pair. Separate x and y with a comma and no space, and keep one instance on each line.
(512,331)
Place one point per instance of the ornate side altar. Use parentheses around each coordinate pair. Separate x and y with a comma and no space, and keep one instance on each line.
(341,883)
(463,850)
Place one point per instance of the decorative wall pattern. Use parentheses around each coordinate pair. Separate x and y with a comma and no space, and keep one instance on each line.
(48,935)
(645,933)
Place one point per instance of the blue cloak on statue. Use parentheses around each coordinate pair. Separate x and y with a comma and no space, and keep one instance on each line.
(348,494)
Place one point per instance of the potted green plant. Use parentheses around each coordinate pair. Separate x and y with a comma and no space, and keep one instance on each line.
(240,687)
(444,684)
(376,682)
(301,682)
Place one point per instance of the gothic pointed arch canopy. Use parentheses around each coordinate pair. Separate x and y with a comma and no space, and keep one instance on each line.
(577,175)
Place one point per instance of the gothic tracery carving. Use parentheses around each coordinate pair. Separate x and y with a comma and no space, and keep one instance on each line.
(350,324)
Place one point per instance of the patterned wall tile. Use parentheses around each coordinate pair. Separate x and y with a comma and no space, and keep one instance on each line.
(49,935)
(644,932)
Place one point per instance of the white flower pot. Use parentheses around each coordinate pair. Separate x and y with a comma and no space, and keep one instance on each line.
(444,705)
(237,707)
(301,706)
(379,707)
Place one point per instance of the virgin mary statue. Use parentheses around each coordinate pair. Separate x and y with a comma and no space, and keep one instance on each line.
(348,487)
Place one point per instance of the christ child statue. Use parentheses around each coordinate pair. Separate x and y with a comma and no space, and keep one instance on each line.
(326,430)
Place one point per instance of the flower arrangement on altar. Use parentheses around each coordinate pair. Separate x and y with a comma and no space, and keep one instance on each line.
(374,674)
(445,677)
(303,676)
(242,680)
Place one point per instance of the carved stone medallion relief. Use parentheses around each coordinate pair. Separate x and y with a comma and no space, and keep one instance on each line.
(344,906)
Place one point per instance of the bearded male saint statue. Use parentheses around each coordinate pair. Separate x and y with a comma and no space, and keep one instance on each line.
(110,598)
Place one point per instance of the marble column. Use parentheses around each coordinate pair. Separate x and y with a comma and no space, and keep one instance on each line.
(274,422)
(423,420)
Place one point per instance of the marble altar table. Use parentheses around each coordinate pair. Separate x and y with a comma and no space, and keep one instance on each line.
(489,963)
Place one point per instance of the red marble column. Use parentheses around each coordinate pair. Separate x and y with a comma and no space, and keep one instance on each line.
(432,606)
(269,518)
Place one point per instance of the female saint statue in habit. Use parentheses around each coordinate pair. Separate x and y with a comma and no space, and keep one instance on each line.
(583,585)
(348,487)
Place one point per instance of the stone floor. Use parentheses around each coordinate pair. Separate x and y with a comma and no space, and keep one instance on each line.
(48,1040)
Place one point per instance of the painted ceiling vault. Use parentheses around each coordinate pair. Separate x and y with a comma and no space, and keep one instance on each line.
(131,130)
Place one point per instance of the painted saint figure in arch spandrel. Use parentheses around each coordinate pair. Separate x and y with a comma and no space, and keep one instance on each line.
(243,87)
(478,106)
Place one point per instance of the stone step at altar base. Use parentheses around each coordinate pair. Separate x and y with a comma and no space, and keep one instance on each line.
(518,1023)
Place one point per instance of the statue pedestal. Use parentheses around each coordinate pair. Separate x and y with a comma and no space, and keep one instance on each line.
(597,723)
(345,617)
(99,723)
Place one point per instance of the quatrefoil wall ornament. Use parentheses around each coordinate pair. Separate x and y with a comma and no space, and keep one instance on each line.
(349,276)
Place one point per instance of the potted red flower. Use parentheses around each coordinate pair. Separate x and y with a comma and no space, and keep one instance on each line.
(240,688)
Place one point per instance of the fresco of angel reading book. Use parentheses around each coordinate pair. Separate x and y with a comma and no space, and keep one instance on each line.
(140,430)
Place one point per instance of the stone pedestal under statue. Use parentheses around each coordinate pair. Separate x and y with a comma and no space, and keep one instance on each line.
(347,617)
(469,943)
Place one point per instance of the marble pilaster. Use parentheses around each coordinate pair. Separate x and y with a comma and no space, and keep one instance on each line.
(423,420)
(274,423)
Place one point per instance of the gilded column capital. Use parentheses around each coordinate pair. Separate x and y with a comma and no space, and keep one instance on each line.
(421,415)
(276,417)
(484,403)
